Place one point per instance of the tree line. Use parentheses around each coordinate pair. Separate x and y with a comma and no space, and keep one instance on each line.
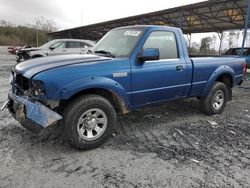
(207,45)
(19,35)
(35,34)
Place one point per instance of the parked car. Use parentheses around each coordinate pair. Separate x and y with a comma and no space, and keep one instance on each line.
(55,47)
(130,68)
(237,52)
(12,50)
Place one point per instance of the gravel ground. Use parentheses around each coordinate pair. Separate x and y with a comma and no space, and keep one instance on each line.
(171,145)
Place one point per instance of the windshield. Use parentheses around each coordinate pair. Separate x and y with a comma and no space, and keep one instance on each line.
(119,42)
(48,44)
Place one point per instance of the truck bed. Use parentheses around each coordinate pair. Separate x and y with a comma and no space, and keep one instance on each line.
(202,72)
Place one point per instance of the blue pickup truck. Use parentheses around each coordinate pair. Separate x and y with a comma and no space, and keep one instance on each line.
(129,68)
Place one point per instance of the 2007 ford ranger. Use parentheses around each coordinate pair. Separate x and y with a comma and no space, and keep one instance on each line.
(129,68)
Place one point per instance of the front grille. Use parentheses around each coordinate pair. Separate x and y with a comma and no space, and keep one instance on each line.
(20,83)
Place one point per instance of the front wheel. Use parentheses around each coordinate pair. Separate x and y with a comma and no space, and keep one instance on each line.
(215,101)
(89,120)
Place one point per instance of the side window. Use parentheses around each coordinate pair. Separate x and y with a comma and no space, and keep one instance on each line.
(238,51)
(166,43)
(58,45)
(73,44)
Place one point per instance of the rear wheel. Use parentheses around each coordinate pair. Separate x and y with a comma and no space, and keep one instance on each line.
(215,101)
(89,120)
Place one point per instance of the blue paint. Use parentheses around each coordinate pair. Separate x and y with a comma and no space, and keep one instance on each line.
(35,111)
(144,83)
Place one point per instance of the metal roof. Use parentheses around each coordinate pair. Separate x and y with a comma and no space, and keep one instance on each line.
(207,16)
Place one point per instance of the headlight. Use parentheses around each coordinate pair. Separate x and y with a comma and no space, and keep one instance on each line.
(37,88)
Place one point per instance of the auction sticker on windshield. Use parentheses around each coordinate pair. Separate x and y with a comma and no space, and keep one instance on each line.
(132,33)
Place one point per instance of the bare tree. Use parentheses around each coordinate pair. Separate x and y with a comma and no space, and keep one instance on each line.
(205,44)
(43,26)
(5,23)
(230,38)
(194,48)
(237,37)
(11,34)
(214,38)
(247,39)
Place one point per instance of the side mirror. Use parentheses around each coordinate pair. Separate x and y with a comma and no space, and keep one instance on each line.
(51,48)
(149,54)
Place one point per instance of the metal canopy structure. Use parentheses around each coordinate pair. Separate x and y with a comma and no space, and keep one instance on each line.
(208,16)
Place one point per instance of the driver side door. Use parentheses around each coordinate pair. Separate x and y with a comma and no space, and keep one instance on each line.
(160,80)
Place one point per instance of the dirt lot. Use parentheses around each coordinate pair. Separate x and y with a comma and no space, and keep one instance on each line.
(172,145)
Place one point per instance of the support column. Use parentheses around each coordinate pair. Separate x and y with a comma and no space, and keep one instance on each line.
(181,19)
(142,21)
(245,29)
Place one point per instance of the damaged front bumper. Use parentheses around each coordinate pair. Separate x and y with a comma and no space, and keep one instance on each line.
(32,115)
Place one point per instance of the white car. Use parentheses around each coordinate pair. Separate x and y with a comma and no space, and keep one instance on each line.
(55,47)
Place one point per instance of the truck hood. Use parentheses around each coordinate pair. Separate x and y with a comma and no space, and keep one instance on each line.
(32,67)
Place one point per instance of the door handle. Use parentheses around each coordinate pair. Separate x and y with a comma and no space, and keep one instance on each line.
(179,68)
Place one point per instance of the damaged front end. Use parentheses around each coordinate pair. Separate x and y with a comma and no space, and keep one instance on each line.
(24,104)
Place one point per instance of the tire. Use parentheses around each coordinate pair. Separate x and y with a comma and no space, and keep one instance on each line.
(215,101)
(89,120)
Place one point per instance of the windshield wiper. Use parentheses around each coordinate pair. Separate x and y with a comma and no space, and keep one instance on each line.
(106,53)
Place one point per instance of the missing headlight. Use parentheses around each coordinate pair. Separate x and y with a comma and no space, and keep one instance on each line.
(37,88)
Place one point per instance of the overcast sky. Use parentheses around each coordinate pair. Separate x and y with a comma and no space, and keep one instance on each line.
(73,13)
